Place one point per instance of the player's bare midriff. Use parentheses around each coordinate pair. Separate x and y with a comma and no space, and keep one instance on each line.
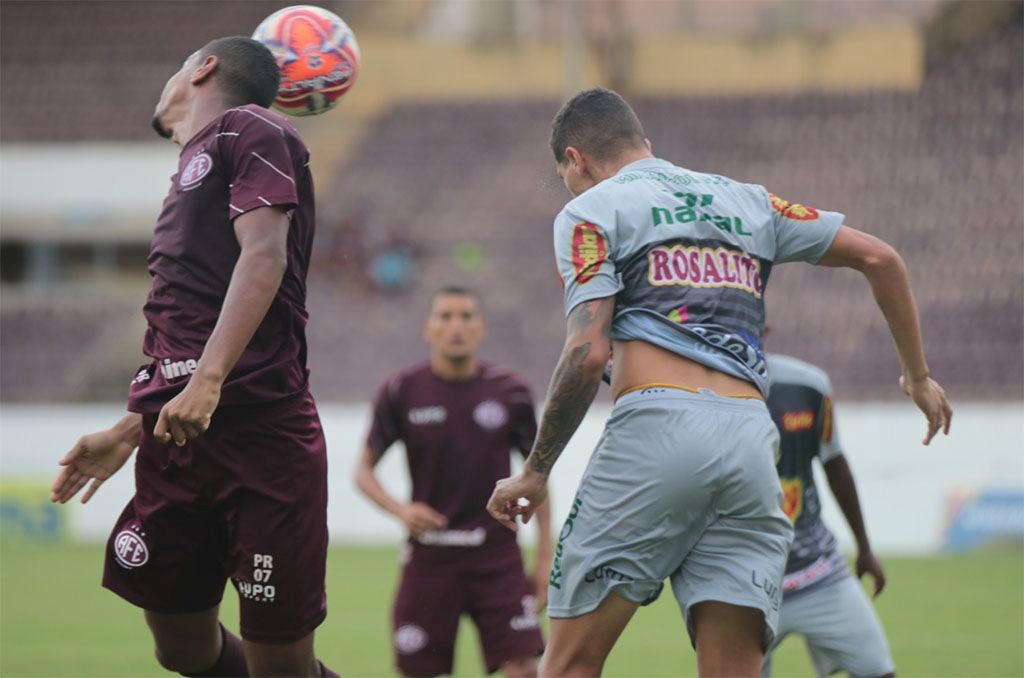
(638,363)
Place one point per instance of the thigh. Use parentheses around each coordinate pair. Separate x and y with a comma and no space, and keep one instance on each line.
(501,601)
(741,556)
(580,645)
(167,552)
(425,618)
(276,510)
(642,503)
(842,630)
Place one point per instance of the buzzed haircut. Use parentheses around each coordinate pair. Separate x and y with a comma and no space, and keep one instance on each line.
(597,121)
(458,291)
(246,71)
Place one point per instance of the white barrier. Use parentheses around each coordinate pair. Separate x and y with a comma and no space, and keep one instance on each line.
(904,487)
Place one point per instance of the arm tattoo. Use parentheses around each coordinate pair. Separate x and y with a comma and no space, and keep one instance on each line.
(572,390)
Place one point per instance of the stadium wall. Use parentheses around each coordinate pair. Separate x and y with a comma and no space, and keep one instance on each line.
(911,494)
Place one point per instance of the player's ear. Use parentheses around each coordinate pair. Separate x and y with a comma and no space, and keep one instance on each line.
(204,70)
(576,159)
(647,143)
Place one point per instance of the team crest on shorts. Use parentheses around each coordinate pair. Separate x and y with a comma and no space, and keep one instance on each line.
(410,639)
(197,168)
(490,415)
(129,548)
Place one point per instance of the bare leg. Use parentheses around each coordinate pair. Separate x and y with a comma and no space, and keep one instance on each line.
(283,659)
(521,667)
(729,640)
(193,643)
(579,646)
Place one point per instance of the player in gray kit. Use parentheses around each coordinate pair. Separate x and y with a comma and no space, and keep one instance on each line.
(667,268)
(820,600)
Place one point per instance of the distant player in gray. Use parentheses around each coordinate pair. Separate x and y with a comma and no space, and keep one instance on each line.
(820,600)
(666,268)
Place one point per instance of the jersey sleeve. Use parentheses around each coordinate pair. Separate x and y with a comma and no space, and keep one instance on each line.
(802,233)
(260,163)
(830,447)
(584,254)
(523,417)
(384,420)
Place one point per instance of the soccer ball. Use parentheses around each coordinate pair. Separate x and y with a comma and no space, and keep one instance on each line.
(318,56)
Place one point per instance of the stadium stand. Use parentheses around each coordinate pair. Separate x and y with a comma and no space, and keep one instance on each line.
(936,172)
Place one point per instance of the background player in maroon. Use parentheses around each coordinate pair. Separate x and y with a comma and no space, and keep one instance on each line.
(459,420)
(231,471)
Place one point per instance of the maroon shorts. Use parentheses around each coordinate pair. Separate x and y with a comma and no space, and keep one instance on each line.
(247,500)
(492,588)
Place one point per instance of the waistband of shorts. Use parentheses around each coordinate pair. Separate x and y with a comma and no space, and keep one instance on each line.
(645,393)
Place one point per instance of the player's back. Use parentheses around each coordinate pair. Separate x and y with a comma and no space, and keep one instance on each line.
(687,256)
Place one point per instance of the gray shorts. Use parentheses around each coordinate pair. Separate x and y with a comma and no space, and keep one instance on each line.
(682,486)
(841,629)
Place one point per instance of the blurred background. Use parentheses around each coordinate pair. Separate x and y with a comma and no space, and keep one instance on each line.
(906,115)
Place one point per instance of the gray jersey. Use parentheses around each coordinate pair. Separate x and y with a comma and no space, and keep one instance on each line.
(800,402)
(687,256)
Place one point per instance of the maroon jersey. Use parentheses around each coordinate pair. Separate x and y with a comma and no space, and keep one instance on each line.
(246,158)
(458,437)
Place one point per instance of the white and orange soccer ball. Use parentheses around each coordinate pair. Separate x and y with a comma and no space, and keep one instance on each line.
(318,55)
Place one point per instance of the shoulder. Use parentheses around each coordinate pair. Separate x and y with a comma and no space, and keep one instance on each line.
(254,122)
(397,382)
(784,369)
(505,381)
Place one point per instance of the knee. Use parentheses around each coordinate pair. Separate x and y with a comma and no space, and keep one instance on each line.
(576,662)
(185,659)
(522,667)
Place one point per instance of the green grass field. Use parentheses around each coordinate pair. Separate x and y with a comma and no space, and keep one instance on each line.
(949,616)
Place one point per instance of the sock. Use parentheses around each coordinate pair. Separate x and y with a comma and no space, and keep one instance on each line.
(326,672)
(231,663)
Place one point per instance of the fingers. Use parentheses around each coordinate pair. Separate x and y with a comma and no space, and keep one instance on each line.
(933,427)
(160,431)
(948,411)
(498,510)
(92,490)
(879,582)
(73,453)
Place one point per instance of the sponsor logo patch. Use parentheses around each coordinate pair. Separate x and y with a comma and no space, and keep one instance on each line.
(528,619)
(794,422)
(704,267)
(794,211)
(589,251)
(428,415)
(792,497)
(129,548)
(197,168)
(490,415)
(410,639)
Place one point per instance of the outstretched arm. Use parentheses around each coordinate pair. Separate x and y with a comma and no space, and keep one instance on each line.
(840,480)
(96,457)
(263,237)
(572,390)
(886,273)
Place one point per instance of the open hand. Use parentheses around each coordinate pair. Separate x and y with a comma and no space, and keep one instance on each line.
(95,457)
(930,398)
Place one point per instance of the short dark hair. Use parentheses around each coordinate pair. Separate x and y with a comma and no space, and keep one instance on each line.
(458,291)
(246,71)
(597,121)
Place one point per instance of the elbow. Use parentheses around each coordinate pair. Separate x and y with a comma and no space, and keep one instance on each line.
(881,259)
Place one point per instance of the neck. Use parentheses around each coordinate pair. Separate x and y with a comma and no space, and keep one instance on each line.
(453,369)
(610,168)
(202,112)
